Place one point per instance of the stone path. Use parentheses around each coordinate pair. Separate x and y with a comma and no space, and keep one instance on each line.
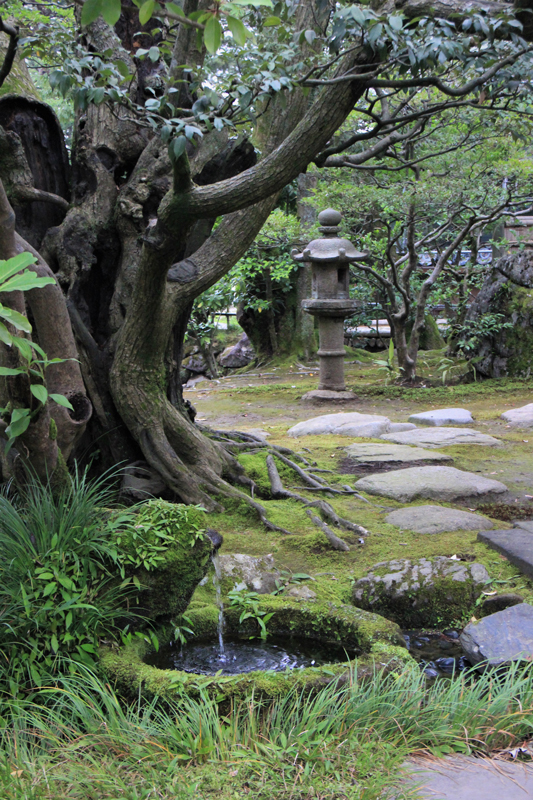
(515,544)
(437,519)
(349,424)
(520,417)
(383,453)
(500,638)
(430,483)
(441,437)
(469,778)
(440,417)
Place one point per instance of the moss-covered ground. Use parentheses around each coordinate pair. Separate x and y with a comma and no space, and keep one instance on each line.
(269,399)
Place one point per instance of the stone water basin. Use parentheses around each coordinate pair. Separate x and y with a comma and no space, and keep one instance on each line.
(338,629)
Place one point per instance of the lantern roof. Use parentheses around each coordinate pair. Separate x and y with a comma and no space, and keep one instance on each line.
(331,247)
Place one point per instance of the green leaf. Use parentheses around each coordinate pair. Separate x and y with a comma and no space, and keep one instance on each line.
(396,23)
(39,392)
(54,643)
(176,9)
(153,53)
(15,264)
(310,36)
(61,400)
(177,147)
(111,11)
(24,348)
(5,336)
(19,321)
(212,34)
(238,31)
(271,21)
(146,11)
(91,10)
(24,282)
(68,620)
(49,588)
(9,371)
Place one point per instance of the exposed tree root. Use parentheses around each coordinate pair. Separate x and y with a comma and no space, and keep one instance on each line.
(279,491)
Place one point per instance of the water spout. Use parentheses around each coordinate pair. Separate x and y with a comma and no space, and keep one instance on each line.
(218,589)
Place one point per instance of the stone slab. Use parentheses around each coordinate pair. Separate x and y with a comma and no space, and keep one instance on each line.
(441,417)
(429,483)
(515,544)
(525,524)
(350,423)
(469,778)
(441,437)
(328,396)
(519,417)
(383,453)
(500,638)
(437,519)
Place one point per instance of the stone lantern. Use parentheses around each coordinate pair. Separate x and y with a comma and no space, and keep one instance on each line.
(330,302)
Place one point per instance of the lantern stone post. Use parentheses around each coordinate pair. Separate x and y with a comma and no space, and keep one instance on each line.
(330,258)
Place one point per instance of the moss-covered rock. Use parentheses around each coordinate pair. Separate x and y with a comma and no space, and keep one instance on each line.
(169,553)
(423,593)
(377,641)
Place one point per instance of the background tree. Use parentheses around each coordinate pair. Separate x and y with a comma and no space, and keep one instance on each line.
(154,164)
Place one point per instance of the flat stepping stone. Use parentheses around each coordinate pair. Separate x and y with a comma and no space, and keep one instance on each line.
(383,453)
(519,417)
(441,437)
(430,483)
(469,778)
(515,544)
(500,638)
(440,417)
(525,524)
(437,519)
(349,424)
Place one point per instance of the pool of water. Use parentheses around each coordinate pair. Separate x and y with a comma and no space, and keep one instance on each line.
(439,655)
(236,657)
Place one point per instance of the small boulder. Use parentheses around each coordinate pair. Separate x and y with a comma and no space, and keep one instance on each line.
(140,482)
(500,638)
(429,483)
(375,453)
(519,417)
(421,593)
(196,364)
(437,519)
(301,593)
(499,602)
(237,355)
(258,574)
(441,417)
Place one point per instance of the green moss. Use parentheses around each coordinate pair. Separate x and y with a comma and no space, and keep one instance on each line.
(378,641)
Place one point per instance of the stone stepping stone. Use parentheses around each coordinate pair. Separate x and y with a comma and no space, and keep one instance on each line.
(349,424)
(441,437)
(429,483)
(519,417)
(526,524)
(383,453)
(440,417)
(437,519)
(515,544)
(500,638)
(469,778)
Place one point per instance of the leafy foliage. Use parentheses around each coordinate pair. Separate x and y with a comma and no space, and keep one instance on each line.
(60,590)
(248,602)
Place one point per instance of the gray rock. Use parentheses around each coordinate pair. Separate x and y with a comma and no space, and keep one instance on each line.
(301,593)
(420,593)
(500,638)
(441,437)
(141,482)
(437,519)
(382,453)
(498,602)
(519,417)
(318,396)
(258,574)
(440,417)
(431,483)
(196,364)
(515,544)
(525,524)
(238,355)
(345,424)
(398,427)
